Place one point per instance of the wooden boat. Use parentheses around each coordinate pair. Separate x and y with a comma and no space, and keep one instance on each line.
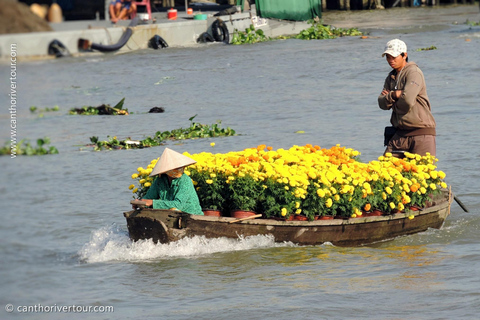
(165,226)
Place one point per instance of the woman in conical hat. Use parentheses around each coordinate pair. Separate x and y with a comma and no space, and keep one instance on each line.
(173,189)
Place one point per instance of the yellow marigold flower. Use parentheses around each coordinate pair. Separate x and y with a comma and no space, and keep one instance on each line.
(284,212)
(194,182)
(131,186)
(443,185)
(287,188)
(353,215)
(134,190)
(336,197)
(410,217)
(384,196)
(134,176)
(401,206)
(433,186)
(298,211)
(388,190)
(142,181)
(441,174)
(321,193)
(212,175)
(212,144)
(329,202)
(147,184)
(209,181)
(434,174)
(297,204)
(139,169)
(392,205)
(423,190)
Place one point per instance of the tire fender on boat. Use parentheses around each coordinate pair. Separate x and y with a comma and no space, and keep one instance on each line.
(220,31)
(157,42)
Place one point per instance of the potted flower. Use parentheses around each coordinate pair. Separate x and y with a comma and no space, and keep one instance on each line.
(211,190)
(277,200)
(243,193)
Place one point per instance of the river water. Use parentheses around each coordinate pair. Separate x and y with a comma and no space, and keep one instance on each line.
(64,237)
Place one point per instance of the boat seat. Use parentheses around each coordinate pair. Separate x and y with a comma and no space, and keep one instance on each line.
(145,3)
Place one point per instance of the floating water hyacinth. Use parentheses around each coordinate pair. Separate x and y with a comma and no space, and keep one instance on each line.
(308,180)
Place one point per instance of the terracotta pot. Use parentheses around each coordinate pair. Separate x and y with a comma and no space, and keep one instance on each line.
(323,217)
(414,208)
(300,217)
(374,213)
(212,213)
(239,214)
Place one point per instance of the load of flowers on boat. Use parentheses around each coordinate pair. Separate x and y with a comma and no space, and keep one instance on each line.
(308,181)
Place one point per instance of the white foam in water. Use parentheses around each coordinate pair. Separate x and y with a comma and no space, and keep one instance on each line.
(113,244)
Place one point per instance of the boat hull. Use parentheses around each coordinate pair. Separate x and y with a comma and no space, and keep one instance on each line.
(165,226)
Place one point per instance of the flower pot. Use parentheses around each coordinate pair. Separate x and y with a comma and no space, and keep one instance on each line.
(212,213)
(323,217)
(373,213)
(299,217)
(239,214)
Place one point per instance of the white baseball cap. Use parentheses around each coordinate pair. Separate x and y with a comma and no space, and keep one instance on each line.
(394,48)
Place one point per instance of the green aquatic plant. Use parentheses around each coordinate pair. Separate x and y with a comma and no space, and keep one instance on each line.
(34,109)
(319,31)
(195,131)
(250,35)
(472,23)
(104,109)
(25,148)
(427,49)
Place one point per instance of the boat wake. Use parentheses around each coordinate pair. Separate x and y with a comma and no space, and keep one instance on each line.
(113,244)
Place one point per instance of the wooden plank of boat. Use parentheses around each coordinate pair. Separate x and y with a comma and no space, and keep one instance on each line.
(167,225)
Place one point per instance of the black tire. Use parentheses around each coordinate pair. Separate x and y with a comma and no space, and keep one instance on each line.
(206,37)
(157,42)
(57,49)
(220,31)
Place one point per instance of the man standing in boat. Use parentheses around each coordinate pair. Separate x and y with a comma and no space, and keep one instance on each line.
(405,93)
(172,188)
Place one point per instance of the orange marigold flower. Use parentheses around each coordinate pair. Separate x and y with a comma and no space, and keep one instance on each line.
(367,207)
(414,187)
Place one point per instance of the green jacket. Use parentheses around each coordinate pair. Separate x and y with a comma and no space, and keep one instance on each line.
(180,194)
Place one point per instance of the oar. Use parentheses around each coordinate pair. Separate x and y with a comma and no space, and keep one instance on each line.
(460,203)
(247,218)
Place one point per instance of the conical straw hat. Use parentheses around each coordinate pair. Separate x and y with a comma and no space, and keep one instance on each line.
(171,160)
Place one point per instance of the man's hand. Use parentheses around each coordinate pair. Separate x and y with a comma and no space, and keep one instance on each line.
(396,94)
(148,202)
